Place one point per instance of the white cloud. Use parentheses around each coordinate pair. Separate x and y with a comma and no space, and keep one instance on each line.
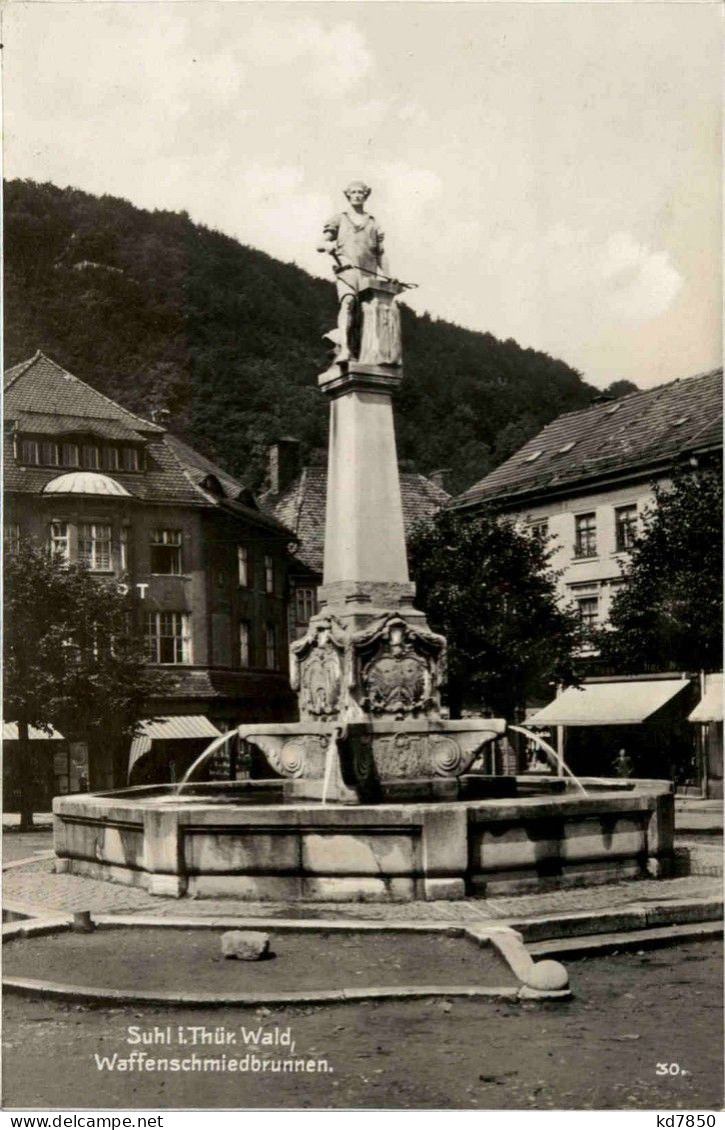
(642,283)
(331,60)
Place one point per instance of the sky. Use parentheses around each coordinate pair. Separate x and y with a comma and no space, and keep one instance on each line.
(549,172)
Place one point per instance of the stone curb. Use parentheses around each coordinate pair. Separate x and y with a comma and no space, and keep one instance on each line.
(37,858)
(57,991)
(319,925)
(630,940)
(507,943)
(636,916)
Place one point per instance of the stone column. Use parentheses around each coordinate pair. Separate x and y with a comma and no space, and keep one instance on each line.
(365,565)
(365,555)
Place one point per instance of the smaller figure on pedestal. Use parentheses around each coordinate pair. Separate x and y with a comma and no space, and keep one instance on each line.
(355,241)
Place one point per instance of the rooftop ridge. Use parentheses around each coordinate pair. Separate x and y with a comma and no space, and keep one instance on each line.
(16,371)
(606,404)
(641,428)
(38,355)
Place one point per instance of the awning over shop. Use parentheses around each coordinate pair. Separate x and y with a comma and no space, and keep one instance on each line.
(709,708)
(608,704)
(10,734)
(170,729)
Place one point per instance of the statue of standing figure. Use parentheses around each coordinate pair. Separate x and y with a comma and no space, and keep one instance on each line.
(355,240)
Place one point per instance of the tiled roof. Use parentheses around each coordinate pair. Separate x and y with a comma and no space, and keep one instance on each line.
(301,506)
(46,423)
(41,385)
(199,467)
(642,429)
(163,480)
(239,499)
(40,396)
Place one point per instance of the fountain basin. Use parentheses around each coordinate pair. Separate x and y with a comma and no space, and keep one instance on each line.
(256,847)
(373,752)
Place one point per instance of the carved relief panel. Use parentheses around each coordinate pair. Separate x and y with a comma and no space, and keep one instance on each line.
(398,669)
(317,670)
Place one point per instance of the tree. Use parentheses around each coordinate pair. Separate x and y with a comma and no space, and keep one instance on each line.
(486,585)
(619,388)
(73,659)
(669,615)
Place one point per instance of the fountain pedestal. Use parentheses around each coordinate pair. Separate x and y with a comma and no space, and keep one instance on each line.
(369,670)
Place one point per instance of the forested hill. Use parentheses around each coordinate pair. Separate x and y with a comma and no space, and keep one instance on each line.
(158,312)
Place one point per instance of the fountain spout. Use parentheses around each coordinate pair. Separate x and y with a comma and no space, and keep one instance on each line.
(549,749)
(212,748)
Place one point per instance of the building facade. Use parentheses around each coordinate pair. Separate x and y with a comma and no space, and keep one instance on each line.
(209,570)
(587,479)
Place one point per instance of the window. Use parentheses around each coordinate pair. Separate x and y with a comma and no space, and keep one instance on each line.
(131,459)
(94,545)
(49,454)
(90,457)
(270,648)
(69,455)
(11,537)
(625,524)
(60,541)
(112,459)
(29,451)
(244,644)
(123,548)
(588,612)
(540,529)
(166,552)
(168,637)
(268,573)
(243,565)
(304,604)
(585,542)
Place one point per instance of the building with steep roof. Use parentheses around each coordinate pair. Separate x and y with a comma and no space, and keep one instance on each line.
(587,478)
(296,495)
(208,568)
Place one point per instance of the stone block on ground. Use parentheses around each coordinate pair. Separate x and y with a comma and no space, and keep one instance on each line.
(245,945)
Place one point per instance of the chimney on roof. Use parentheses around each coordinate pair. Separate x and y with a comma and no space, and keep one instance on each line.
(161,416)
(283,463)
(439,477)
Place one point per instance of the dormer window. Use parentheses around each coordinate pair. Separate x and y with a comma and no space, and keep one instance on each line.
(533,456)
(49,454)
(111,459)
(90,457)
(567,447)
(131,459)
(85,456)
(30,451)
(69,455)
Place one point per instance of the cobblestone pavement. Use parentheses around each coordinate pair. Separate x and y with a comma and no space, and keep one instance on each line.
(38,886)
